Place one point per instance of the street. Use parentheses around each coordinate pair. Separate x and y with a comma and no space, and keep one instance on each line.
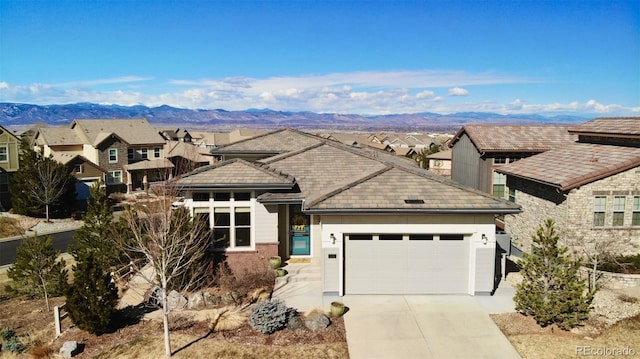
(61,241)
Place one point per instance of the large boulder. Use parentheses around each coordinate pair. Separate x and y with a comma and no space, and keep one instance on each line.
(196,301)
(176,300)
(70,349)
(211,300)
(316,320)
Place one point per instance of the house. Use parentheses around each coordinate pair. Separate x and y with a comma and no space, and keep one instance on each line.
(86,172)
(372,222)
(440,163)
(9,154)
(186,157)
(175,134)
(590,188)
(212,140)
(119,146)
(478,150)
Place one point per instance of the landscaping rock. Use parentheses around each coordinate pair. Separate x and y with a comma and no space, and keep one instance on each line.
(155,297)
(295,323)
(196,301)
(316,320)
(211,300)
(70,349)
(232,298)
(176,300)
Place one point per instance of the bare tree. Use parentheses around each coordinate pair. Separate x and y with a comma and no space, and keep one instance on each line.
(50,183)
(172,242)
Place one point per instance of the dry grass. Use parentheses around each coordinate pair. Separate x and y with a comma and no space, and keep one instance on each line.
(187,346)
(531,341)
(228,318)
(10,227)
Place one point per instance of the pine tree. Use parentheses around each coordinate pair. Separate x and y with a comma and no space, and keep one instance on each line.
(93,297)
(96,234)
(36,271)
(551,290)
(22,182)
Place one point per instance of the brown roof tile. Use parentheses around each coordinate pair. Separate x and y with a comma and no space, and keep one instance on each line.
(132,131)
(285,140)
(235,173)
(574,165)
(610,126)
(516,138)
(57,136)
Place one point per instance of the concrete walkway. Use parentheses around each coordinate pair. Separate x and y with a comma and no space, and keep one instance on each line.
(422,326)
(407,326)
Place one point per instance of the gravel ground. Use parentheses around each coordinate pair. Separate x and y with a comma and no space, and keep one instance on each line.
(609,305)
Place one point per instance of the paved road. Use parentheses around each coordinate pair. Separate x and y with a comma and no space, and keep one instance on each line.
(61,241)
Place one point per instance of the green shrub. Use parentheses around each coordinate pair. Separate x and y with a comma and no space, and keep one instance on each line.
(269,316)
(13,345)
(7,333)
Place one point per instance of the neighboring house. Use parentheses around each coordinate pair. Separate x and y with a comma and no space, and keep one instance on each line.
(372,222)
(477,150)
(9,163)
(590,188)
(86,172)
(212,140)
(186,157)
(440,163)
(115,145)
(175,134)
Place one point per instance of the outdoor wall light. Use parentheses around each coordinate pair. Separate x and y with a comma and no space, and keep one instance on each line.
(333,238)
(484,239)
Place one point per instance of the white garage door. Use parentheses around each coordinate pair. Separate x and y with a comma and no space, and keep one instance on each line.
(406,264)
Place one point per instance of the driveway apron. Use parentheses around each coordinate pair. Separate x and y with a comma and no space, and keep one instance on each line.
(422,326)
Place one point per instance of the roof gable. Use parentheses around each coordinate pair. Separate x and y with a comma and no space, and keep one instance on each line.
(235,173)
(131,131)
(56,136)
(281,141)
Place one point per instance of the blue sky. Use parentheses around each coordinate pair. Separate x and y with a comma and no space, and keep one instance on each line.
(367,57)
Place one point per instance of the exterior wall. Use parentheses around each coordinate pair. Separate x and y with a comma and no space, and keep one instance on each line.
(473,225)
(465,167)
(441,167)
(103,158)
(573,213)
(91,153)
(266,224)
(13,144)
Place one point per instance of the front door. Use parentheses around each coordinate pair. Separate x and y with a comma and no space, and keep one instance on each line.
(299,231)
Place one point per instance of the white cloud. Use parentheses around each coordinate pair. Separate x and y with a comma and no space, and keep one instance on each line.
(365,92)
(457,91)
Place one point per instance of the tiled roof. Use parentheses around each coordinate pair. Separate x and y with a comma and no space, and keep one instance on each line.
(628,126)
(323,168)
(188,151)
(391,188)
(132,131)
(285,140)
(149,164)
(235,173)
(442,155)
(516,138)
(57,136)
(574,165)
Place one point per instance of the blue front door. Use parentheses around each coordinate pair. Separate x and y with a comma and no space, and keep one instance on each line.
(300,242)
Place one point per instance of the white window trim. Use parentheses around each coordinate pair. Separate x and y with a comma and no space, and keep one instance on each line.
(6,154)
(157,152)
(110,179)
(144,153)
(232,205)
(116,155)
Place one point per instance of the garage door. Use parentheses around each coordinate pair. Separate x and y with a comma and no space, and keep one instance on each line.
(406,264)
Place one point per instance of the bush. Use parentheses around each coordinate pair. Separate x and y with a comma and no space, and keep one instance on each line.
(623,264)
(269,316)
(13,345)
(7,333)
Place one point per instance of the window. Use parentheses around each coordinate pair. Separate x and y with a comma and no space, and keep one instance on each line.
(451,237)
(242,196)
(421,237)
(599,208)
(390,237)
(243,227)
(221,196)
(221,227)
(232,231)
(201,196)
(618,210)
(512,195)
(360,237)
(131,154)
(4,154)
(499,184)
(499,160)
(113,155)
(156,152)
(514,159)
(114,177)
(77,168)
(635,216)
(143,153)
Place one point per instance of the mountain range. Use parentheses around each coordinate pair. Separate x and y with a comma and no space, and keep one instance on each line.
(21,115)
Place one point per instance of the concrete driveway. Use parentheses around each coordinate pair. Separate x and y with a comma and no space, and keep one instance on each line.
(422,326)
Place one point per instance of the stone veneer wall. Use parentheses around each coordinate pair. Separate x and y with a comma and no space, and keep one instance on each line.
(574,213)
(615,280)
(252,261)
